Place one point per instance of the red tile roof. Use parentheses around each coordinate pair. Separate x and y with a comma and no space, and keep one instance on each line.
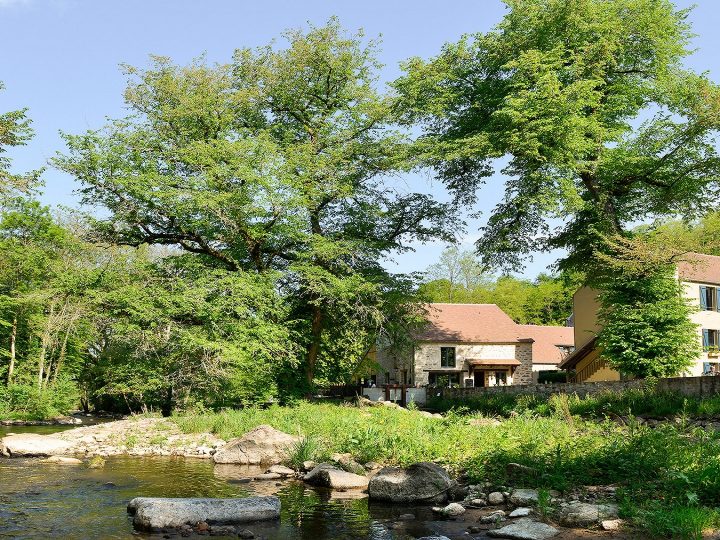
(546,340)
(700,268)
(470,323)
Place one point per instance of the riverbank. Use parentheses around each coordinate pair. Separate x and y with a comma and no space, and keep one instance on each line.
(665,479)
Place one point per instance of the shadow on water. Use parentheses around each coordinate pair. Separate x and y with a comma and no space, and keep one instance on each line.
(40,500)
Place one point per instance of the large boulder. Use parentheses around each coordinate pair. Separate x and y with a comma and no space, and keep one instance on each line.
(421,482)
(32,445)
(327,475)
(578,514)
(153,513)
(264,444)
(524,497)
(524,529)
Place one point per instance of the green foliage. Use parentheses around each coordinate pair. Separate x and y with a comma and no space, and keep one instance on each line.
(14,131)
(306,449)
(645,317)
(602,124)
(458,278)
(26,402)
(283,163)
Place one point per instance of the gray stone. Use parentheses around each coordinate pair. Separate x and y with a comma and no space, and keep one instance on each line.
(32,445)
(451,510)
(611,524)
(62,460)
(246,534)
(578,514)
(478,502)
(157,512)
(308,465)
(281,470)
(433,538)
(495,498)
(327,475)
(524,497)
(268,476)
(425,482)
(520,512)
(264,444)
(406,517)
(524,529)
(496,516)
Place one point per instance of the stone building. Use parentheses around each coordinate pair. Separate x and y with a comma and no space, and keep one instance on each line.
(472,345)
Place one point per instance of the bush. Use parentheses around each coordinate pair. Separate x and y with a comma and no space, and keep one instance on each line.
(27,402)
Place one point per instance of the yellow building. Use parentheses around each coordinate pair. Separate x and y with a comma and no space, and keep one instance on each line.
(700,276)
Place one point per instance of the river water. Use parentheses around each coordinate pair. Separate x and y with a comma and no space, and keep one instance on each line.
(41,500)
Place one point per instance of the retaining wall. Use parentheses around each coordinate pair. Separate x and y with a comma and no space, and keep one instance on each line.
(688,386)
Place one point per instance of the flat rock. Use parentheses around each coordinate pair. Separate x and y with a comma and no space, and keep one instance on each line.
(62,460)
(281,470)
(262,445)
(32,445)
(426,482)
(524,497)
(579,514)
(522,511)
(497,515)
(157,512)
(326,475)
(524,529)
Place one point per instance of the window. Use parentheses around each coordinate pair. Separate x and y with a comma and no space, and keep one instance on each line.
(444,379)
(501,378)
(404,377)
(708,298)
(710,339)
(447,356)
(387,377)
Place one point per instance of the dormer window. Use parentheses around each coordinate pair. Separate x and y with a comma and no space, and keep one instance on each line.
(708,298)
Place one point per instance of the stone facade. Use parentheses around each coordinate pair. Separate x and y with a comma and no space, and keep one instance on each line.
(425,360)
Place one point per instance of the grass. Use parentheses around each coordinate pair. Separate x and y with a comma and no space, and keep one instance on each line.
(676,466)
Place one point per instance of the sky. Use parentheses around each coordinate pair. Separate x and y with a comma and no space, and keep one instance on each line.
(61,58)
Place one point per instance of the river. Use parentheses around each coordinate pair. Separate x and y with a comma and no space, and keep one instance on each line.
(40,500)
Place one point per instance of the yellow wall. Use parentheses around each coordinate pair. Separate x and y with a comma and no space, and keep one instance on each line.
(585,308)
(603,374)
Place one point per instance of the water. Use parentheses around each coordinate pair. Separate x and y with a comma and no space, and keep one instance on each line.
(41,500)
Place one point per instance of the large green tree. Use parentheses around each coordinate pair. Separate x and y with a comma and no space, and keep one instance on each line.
(588,103)
(281,161)
(14,131)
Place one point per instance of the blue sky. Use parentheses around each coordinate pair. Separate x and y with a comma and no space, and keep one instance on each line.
(60,59)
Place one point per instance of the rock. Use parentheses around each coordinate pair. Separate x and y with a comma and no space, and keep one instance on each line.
(425,482)
(347,463)
(478,502)
(524,497)
(433,538)
(524,529)
(267,476)
(308,465)
(520,512)
(96,463)
(264,444)
(246,534)
(281,470)
(372,466)
(32,445)
(406,517)
(495,498)
(516,469)
(327,475)
(62,460)
(496,516)
(578,514)
(157,512)
(223,530)
(611,524)
(453,509)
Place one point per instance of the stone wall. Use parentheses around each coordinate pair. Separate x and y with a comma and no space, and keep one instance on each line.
(687,386)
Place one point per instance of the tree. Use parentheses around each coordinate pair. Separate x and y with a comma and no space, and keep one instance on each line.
(281,161)
(589,101)
(458,270)
(14,131)
(644,315)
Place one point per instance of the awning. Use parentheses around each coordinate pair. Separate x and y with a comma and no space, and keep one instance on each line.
(484,362)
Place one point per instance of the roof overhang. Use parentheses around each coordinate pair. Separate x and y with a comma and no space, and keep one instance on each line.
(574,357)
(484,362)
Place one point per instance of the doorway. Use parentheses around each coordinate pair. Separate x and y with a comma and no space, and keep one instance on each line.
(479,378)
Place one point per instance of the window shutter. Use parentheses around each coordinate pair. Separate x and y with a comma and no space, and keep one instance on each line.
(706,337)
(706,367)
(717,299)
(703,297)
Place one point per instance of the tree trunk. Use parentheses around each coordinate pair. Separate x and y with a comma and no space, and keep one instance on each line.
(314,348)
(13,338)
(44,342)
(63,351)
